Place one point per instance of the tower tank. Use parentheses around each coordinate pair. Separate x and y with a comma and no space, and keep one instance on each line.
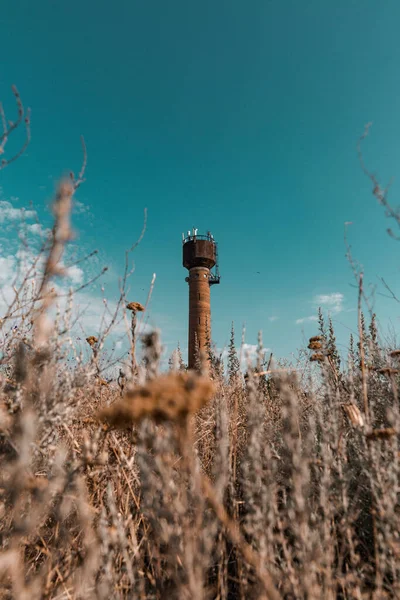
(200,256)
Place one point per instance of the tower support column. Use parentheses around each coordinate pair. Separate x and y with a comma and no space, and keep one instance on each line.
(199,311)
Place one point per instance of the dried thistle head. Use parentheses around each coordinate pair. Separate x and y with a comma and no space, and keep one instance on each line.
(381,434)
(92,340)
(135,307)
(172,397)
(41,356)
(36,483)
(315,345)
(395,354)
(317,357)
(316,338)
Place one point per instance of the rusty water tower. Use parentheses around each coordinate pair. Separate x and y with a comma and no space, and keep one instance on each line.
(200,256)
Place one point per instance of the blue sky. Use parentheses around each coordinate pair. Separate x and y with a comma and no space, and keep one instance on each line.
(238,117)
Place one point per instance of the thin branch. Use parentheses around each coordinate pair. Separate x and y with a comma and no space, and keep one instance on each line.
(141,236)
(7,130)
(153,280)
(379,192)
(80,260)
(81,176)
(356,268)
(12,125)
(392,294)
(362,352)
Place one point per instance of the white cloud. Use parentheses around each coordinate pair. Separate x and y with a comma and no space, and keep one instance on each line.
(273,318)
(333,302)
(37,229)
(90,313)
(306,319)
(9,213)
(249,354)
(79,207)
(7,269)
(95,315)
(250,350)
(75,274)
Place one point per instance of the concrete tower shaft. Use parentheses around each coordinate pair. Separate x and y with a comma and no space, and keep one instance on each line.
(199,257)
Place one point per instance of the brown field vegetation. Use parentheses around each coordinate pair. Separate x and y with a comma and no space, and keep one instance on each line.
(191,485)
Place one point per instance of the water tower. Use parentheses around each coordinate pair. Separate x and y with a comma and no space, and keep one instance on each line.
(200,256)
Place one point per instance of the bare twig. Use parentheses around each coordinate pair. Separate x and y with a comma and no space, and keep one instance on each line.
(12,126)
(81,177)
(379,192)
(364,373)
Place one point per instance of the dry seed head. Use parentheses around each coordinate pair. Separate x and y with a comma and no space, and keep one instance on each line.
(317,357)
(171,397)
(315,345)
(316,338)
(135,307)
(381,434)
(36,483)
(65,188)
(395,354)
(41,356)
(92,340)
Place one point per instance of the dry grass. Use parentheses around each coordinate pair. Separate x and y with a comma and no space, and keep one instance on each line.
(187,485)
